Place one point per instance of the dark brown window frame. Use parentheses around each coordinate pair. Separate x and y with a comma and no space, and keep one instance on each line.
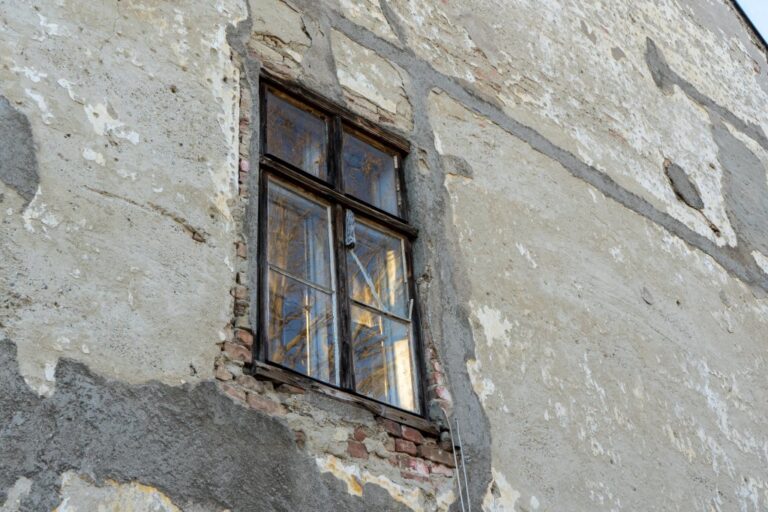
(332,192)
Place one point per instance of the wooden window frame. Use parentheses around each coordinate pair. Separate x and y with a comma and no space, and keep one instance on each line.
(332,192)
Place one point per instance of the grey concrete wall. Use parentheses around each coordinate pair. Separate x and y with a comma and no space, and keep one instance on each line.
(590,181)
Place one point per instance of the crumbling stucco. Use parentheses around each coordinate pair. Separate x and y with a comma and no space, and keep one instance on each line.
(590,182)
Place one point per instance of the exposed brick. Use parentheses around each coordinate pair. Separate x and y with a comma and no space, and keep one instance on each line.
(241,278)
(357,449)
(414,476)
(390,426)
(241,249)
(264,404)
(301,438)
(404,446)
(249,383)
(359,434)
(240,292)
(222,373)
(442,392)
(237,352)
(241,307)
(233,391)
(440,469)
(244,337)
(412,434)
(413,465)
(245,165)
(436,454)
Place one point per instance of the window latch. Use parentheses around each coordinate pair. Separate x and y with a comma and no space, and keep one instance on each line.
(349,230)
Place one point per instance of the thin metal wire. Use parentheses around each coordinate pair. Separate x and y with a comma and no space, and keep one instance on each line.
(455,461)
(463,465)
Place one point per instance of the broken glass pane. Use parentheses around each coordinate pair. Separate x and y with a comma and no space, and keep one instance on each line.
(301,328)
(369,173)
(299,239)
(383,360)
(300,315)
(376,271)
(296,134)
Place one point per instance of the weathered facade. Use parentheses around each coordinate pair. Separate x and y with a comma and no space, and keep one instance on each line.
(590,184)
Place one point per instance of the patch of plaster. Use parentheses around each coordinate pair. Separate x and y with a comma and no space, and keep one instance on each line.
(500,496)
(355,479)
(761,259)
(104,121)
(81,495)
(495,326)
(483,386)
(371,83)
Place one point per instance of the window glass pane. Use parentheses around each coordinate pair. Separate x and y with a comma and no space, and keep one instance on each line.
(298,240)
(383,360)
(369,173)
(296,134)
(301,328)
(376,271)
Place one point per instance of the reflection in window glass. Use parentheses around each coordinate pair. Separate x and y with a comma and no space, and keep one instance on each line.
(369,173)
(300,316)
(383,359)
(375,270)
(299,238)
(296,134)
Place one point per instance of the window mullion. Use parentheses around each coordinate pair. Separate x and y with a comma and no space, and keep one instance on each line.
(342,296)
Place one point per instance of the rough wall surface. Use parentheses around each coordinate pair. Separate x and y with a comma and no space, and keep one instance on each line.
(590,181)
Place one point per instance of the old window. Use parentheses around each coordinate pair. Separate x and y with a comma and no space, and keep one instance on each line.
(336,287)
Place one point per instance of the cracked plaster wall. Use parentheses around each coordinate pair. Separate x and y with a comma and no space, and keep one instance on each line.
(605,340)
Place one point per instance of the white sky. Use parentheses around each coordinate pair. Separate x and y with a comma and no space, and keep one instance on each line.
(757,10)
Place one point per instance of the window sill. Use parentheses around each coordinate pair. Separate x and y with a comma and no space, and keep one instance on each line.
(274,373)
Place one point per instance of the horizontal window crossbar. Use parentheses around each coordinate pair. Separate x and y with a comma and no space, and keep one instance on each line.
(287,274)
(324,190)
(378,311)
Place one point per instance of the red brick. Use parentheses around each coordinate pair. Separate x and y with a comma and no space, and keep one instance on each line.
(413,465)
(359,434)
(244,337)
(244,165)
(414,476)
(263,404)
(237,352)
(403,446)
(390,426)
(412,434)
(436,454)
(357,449)
(233,391)
(442,392)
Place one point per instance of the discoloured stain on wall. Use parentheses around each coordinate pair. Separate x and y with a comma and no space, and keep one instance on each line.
(18,164)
